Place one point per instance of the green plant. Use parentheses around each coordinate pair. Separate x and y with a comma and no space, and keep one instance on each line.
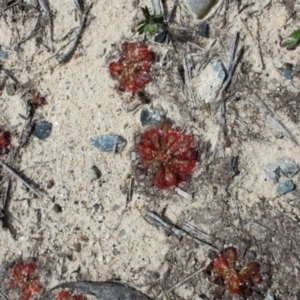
(292,40)
(151,24)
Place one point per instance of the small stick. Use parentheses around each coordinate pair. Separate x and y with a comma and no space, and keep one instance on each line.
(10,6)
(11,76)
(3,296)
(156,7)
(68,55)
(32,34)
(179,232)
(256,100)
(12,172)
(172,12)
(130,191)
(230,64)
(187,79)
(184,280)
(44,5)
(79,5)
(5,196)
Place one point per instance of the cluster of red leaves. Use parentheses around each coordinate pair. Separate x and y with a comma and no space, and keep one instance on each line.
(24,277)
(223,267)
(67,295)
(5,140)
(167,154)
(36,100)
(132,69)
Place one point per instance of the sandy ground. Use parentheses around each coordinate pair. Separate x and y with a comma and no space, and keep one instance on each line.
(98,235)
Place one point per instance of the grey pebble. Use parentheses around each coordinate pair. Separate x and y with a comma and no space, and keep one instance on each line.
(122,233)
(282,167)
(269,297)
(11,89)
(199,8)
(209,82)
(109,142)
(94,173)
(288,167)
(3,54)
(161,37)
(148,117)
(288,71)
(250,255)
(273,172)
(203,29)
(285,187)
(96,207)
(42,130)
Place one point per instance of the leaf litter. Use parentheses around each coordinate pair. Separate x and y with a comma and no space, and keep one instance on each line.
(227,202)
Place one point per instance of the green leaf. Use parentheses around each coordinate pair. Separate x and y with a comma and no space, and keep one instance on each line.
(293,39)
(151,23)
(146,12)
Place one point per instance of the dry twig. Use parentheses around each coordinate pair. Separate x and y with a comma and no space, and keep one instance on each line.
(13,173)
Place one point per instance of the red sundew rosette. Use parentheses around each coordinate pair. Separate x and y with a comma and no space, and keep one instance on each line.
(168,154)
(132,69)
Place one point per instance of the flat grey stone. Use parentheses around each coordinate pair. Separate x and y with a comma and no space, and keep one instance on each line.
(42,130)
(203,29)
(199,8)
(3,54)
(11,89)
(109,142)
(288,167)
(282,167)
(285,187)
(288,71)
(273,172)
(149,117)
(209,82)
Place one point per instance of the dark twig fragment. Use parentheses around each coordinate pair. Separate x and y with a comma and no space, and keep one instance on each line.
(65,57)
(13,173)
(105,290)
(187,230)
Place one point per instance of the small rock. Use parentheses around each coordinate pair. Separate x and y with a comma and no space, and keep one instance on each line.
(273,172)
(42,130)
(288,167)
(288,71)
(250,255)
(109,142)
(161,37)
(57,208)
(96,207)
(122,233)
(148,117)
(199,8)
(3,54)
(295,202)
(285,187)
(94,173)
(11,89)
(282,167)
(269,297)
(203,29)
(210,82)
